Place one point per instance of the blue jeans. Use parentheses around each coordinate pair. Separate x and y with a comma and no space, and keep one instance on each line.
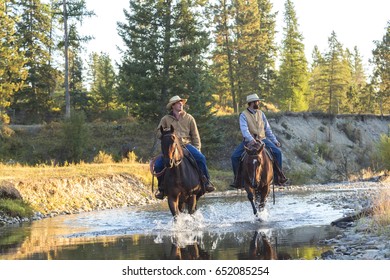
(198,156)
(240,149)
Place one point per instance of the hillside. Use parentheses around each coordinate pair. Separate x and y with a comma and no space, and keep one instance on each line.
(317,148)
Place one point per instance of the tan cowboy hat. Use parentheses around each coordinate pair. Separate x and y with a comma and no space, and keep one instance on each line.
(173,100)
(252,97)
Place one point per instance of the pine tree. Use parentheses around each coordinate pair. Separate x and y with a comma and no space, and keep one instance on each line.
(33,31)
(338,75)
(381,77)
(12,72)
(358,82)
(223,67)
(103,82)
(248,43)
(70,12)
(268,50)
(292,84)
(317,81)
(164,56)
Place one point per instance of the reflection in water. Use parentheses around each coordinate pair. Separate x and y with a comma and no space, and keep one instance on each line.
(290,232)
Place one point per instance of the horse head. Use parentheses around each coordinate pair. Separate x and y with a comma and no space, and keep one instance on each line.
(253,162)
(170,147)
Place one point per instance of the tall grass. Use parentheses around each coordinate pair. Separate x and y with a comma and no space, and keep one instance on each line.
(381,215)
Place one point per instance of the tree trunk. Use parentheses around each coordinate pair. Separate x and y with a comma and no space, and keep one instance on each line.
(66,44)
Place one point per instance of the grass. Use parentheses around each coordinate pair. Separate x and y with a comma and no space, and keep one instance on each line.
(381,215)
(16,208)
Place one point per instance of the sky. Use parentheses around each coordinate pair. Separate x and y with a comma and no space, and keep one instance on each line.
(355,22)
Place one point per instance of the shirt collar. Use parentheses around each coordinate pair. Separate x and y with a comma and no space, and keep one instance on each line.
(252,111)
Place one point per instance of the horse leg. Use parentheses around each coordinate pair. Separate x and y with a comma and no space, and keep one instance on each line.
(251,199)
(263,196)
(173,206)
(192,204)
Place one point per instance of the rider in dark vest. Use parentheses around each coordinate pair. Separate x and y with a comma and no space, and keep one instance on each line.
(187,131)
(253,123)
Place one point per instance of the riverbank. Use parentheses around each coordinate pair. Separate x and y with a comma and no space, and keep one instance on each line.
(52,190)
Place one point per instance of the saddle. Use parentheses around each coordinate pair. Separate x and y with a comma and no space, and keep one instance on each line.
(192,161)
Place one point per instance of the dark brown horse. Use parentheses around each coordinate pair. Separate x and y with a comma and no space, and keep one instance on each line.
(257,174)
(181,179)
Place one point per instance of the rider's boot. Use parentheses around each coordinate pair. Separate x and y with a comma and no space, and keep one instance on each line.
(281,179)
(208,187)
(160,193)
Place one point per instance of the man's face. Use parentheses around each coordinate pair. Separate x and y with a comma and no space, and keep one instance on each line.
(178,106)
(256,105)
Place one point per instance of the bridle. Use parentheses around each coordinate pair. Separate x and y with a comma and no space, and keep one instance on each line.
(256,163)
(173,151)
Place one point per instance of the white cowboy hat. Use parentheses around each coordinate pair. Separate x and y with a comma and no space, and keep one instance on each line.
(173,100)
(252,97)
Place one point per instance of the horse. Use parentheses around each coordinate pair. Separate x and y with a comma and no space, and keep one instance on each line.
(257,174)
(182,181)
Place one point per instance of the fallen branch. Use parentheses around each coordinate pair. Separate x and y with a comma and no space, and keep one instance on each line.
(344,222)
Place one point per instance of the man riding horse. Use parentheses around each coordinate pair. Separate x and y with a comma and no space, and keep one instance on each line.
(254,126)
(186,129)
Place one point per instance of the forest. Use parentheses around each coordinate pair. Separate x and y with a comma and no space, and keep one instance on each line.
(213,52)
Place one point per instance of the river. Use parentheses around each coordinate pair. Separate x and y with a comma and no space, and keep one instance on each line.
(223,228)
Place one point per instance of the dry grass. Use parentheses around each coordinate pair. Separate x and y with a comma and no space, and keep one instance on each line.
(382,210)
(89,170)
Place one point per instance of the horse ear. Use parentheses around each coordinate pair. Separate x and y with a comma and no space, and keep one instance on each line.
(172,129)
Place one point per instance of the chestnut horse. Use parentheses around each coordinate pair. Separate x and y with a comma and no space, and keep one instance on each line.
(181,179)
(257,174)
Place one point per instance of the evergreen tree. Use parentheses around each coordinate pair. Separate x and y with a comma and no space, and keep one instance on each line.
(268,53)
(71,12)
(292,83)
(317,80)
(358,82)
(223,55)
(165,55)
(12,72)
(248,43)
(33,32)
(381,76)
(338,75)
(103,82)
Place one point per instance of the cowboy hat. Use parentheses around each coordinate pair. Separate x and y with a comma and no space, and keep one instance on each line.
(252,97)
(173,100)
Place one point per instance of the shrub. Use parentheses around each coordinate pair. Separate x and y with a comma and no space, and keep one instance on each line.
(304,153)
(16,208)
(75,136)
(351,132)
(324,151)
(384,151)
(102,157)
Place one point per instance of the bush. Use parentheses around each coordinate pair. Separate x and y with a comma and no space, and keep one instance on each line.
(351,132)
(16,208)
(304,153)
(384,151)
(324,151)
(102,157)
(75,136)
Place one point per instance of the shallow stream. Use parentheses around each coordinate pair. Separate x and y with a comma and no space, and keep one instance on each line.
(223,228)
